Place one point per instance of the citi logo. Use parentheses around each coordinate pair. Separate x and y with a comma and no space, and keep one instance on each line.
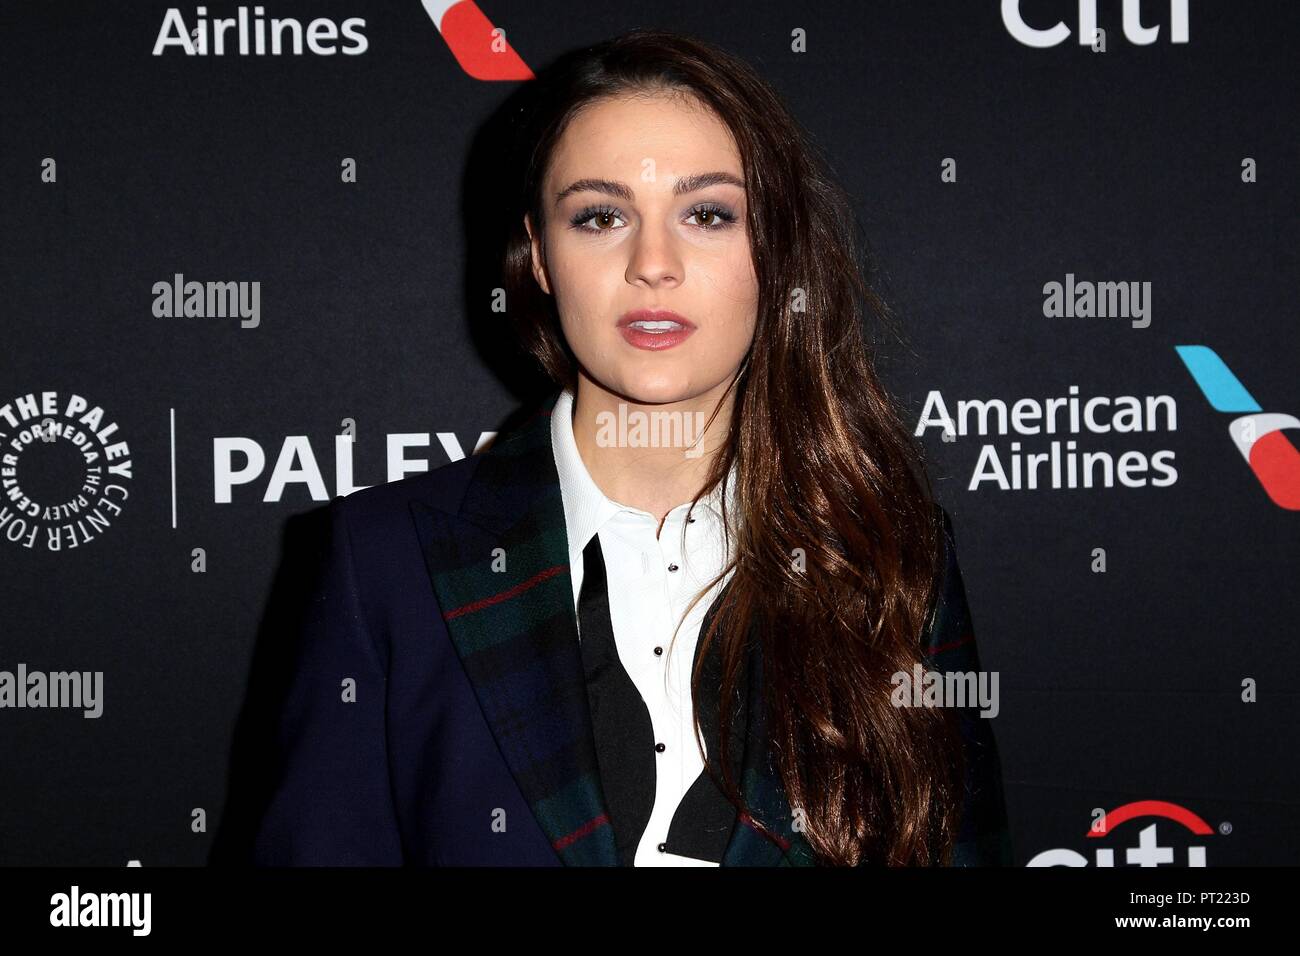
(1089,34)
(252,35)
(1257,434)
(1148,851)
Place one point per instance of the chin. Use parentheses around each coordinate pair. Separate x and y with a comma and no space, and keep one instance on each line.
(657,389)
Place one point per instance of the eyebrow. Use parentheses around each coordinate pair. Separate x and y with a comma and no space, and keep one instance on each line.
(683,185)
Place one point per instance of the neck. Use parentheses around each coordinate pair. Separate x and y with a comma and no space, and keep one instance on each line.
(651,457)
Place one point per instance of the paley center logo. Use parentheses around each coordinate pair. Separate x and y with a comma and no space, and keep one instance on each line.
(1257,434)
(240,461)
(1148,851)
(64,471)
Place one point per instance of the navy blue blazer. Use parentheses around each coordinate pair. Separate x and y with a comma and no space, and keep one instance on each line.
(437,714)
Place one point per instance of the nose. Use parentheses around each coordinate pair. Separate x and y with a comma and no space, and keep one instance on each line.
(654,258)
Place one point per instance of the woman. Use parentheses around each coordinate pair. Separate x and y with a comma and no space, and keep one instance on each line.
(521,658)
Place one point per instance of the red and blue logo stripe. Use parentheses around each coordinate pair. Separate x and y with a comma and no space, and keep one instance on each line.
(1258,435)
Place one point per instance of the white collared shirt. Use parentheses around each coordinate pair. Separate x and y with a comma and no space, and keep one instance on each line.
(646,601)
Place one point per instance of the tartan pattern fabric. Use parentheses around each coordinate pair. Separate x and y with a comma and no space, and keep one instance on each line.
(499,568)
(984,838)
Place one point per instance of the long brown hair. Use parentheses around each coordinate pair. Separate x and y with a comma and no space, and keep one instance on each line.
(825,469)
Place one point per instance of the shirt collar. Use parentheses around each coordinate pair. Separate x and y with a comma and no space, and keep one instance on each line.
(586,509)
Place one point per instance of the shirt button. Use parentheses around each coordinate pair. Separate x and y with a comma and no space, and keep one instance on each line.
(690,521)
(660,747)
(663,847)
(672,567)
(659,652)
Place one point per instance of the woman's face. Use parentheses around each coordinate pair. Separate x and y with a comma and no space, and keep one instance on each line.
(645,211)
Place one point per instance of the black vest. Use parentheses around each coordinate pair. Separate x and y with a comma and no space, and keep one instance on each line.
(625,746)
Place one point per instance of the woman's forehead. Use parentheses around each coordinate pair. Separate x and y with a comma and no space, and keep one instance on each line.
(633,141)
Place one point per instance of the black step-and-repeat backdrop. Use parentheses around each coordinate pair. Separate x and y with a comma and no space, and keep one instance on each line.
(248,267)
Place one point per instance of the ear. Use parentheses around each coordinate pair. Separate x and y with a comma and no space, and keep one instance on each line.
(539,258)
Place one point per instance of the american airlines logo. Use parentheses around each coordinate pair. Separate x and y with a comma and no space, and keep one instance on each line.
(1258,435)
(253,34)
(479,46)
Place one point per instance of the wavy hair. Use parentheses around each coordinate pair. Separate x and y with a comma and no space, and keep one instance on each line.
(824,469)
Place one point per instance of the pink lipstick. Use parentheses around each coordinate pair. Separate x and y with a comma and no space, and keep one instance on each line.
(655,329)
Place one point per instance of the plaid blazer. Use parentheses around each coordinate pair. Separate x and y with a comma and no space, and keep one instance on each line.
(469,740)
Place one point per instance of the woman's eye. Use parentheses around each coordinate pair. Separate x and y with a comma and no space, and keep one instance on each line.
(603,217)
(713,216)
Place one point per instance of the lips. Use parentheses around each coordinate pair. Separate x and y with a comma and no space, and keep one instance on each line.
(655,329)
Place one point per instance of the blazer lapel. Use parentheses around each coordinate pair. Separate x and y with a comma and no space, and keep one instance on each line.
(500,569)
